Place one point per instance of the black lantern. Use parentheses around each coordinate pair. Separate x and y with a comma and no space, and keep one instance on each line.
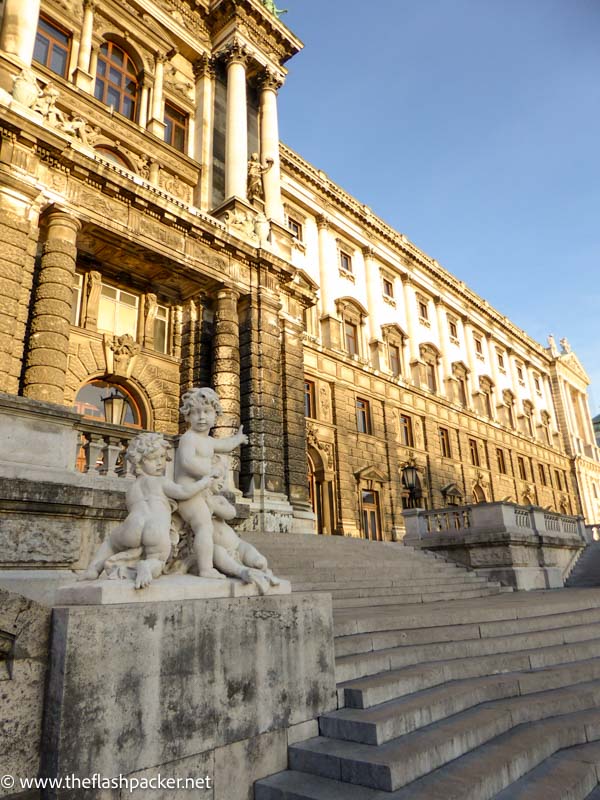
(410,481)
(115,407)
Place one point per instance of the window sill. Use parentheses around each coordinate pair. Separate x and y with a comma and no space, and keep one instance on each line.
(344,273)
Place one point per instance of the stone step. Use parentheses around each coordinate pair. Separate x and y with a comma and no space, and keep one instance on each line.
(370,690)
(339,583)
(386,721)
(367,642)
(501,608)
(393,765)
(295,785)
(407,591)
(405,655)
(571,774)
(431,596)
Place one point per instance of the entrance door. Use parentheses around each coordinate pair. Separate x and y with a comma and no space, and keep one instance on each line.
(370,515)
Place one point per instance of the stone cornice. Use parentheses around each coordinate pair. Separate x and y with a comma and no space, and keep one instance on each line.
(334,195)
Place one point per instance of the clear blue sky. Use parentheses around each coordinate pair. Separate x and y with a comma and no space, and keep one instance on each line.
(472,126)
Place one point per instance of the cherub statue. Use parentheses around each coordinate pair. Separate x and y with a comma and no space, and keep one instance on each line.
(255,172)
(145,533)
(232,555)
(194,460)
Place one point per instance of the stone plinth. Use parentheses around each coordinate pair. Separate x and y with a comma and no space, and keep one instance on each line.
(167,588)
(187,688)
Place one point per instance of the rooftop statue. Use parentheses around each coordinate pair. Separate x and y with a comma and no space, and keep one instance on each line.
(270,6)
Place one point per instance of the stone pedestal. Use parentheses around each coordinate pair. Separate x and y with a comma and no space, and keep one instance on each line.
(211,688)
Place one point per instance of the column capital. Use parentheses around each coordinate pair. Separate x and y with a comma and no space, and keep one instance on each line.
(90,5)
(438,300)
(368,252)
(235,52)
(227,293)
(407,279)
(205,67)
(323,222)
(268,80)
(57,215)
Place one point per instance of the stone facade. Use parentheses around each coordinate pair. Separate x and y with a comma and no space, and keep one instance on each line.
(142,258)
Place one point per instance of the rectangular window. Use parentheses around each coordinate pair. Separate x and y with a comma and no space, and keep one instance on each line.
(76,302)
(558,480)
(430,374)
(395,363)
(537,384)
(522,468)
(542,473)
(351,337)
(176,127)
(363,415)
(52,46)
(478,345)
(500,361)
(295,227)
(453,329)
(445,443)
(310,399)
(462,392)
(345,261)
(406,431)
(161,329)
(370,512)
(501,461)
(423,311)
(117,311)
(520,375)
(388,288)
(474,452)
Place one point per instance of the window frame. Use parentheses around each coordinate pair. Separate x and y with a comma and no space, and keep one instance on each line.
(125,74)
(501,459)
(310,399)
(474,453)
(406,430)
(176,125)
(445,443)
(117,303)
(54,43)
(345,261)
(363,416)
(353,328)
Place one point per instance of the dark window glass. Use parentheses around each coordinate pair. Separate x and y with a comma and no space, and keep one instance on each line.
(474,452)
(501,461)
(542,473)
(395,363)
(522,468)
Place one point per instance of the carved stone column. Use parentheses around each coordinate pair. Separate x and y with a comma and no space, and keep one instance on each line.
(48,344)
(410,312)
(19,27)
(326,265)
(157,122)
(294,428)
(226,360)
(93,288)
(18,235)
(236,134)
(83,76)
(269,145)
(204,72)
(444,345)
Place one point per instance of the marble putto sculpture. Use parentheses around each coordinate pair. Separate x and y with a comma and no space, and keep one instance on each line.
(198,540)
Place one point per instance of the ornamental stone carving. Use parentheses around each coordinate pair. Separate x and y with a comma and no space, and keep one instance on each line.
(120,353)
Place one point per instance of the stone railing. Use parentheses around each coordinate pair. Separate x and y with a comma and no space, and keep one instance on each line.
(490,517)
(101,449)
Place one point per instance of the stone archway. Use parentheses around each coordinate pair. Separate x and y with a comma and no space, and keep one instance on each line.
(320,486)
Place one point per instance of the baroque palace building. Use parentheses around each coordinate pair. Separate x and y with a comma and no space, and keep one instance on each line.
(156,235)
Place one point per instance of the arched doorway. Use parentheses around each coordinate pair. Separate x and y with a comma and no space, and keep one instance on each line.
(320,489)
(109,402)
(478,494)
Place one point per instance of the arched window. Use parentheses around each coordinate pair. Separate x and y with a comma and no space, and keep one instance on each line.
(109,402)
(116,82)
(110,155)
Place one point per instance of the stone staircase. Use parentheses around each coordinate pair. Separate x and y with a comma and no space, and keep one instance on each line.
(359,573)
(496,696)
(587,570)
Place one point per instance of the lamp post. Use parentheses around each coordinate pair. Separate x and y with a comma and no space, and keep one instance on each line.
(115,407)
